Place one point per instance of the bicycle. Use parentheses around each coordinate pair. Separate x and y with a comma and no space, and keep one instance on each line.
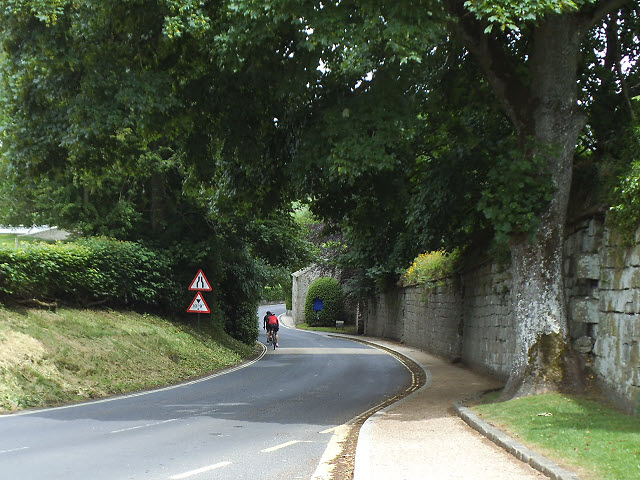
(271,339)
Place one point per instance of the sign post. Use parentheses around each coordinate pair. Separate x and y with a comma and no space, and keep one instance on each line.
(318,305)
(198,305)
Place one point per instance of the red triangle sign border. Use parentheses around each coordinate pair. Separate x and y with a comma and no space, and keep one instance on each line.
(201,306)
(198,280)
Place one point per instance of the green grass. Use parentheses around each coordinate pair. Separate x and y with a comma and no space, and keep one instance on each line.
(594,440)
(348,329)
(8,240)
(51,358)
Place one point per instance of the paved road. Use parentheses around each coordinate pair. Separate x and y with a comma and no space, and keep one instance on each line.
(271,419)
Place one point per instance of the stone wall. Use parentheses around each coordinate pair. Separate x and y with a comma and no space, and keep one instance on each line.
(426,319)
(603,289)
(388,310)
(301,281)
(489,338)
(471,318)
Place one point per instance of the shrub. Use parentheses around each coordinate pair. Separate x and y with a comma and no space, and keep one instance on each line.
(273,294)
(329,290)
(429,267)
(625,208)
(91,270)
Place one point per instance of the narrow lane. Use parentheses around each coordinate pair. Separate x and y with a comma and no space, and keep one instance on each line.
(272,419)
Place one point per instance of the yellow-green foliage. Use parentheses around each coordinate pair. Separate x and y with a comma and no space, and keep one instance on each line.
(429,267)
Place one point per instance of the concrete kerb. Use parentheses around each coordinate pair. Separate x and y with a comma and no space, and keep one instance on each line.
(515,448)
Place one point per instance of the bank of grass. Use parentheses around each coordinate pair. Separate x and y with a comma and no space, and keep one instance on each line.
(347,329)
(596,441)
(70,355)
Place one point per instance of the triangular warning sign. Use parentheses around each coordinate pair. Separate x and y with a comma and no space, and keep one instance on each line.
(200,283)
(198,305)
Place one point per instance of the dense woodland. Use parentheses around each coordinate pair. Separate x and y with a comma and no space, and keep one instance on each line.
(406,126)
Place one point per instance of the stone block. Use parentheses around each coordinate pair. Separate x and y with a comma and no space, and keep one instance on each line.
(585,310)
(634,355)
(616,300)
(587,266)
(612,258)
(620,279)
(578,329)
(583,344)
(630,278)
(567,266)
(633,256)
(589,244)
(602,348)
(614,239)
(607,278)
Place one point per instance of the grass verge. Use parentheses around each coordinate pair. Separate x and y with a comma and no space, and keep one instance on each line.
(347,329)
(594,440)
(52,358)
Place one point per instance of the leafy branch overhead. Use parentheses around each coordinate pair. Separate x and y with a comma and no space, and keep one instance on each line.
(407,126)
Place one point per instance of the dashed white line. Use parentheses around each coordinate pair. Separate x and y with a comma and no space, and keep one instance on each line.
(284,445)
(14,450)
(199,471)
(143,426)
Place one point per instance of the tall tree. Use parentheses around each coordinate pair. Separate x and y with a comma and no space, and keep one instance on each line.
(530,54)
(136,119)
(532,66)
(339,97)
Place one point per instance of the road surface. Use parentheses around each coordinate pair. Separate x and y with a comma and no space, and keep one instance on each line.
(271,419)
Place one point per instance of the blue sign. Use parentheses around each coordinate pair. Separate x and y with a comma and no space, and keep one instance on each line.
(318,303)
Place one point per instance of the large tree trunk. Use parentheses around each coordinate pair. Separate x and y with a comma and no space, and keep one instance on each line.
(542,107)
(543,357)
(544,111)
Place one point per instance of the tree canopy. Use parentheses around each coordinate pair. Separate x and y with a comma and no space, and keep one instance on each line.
(410,126)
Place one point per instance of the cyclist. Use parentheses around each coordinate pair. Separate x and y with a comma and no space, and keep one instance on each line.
(264,320)
(272,325)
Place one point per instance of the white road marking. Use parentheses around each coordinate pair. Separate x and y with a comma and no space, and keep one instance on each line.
(330,430)
(143,426)
(334,448)
(199,471)
(284,445)
(14,450)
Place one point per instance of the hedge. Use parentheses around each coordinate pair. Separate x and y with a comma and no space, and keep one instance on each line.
(329,290)
(87,271)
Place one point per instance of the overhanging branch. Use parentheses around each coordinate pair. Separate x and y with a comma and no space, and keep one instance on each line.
(498,68)
(602,9)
